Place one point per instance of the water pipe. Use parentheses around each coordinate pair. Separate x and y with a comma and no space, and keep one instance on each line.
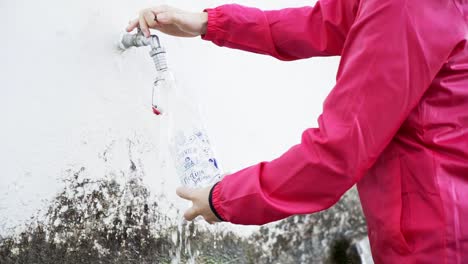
(157,52)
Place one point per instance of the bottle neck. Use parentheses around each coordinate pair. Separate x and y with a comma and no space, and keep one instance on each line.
(164,75)
(163,72)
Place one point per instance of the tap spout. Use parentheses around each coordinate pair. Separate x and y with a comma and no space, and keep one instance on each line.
(139,40)
(158,53)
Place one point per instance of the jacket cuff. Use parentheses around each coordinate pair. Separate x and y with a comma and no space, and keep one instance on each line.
(214,29)
(215,201)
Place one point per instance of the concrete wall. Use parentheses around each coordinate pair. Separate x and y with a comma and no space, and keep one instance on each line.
(70,100)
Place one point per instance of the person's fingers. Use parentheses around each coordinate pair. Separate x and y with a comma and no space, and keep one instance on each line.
(143,25)
(160,9)
(132,25)
(191,213)
(210,220)
(168,18)
(150,19)
(185,193)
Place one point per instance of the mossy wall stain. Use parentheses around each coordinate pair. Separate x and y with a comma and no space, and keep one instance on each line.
(103,221)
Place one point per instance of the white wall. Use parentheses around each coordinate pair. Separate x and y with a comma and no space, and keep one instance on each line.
(67,96)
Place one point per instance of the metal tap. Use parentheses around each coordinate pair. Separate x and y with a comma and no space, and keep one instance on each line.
(157,52)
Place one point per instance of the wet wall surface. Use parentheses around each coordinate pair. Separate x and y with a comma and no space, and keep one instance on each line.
(80,179)
(104,221)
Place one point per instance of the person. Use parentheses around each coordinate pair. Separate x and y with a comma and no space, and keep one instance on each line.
(395,124)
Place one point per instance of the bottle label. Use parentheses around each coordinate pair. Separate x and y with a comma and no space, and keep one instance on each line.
(194,159)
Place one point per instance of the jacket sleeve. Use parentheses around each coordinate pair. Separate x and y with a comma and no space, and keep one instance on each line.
(287,34)
(389,61)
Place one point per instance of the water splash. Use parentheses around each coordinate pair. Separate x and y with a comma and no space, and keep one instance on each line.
(102,221)
(115,218)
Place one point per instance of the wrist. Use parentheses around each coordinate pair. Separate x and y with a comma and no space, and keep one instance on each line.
(213,200)
(203,22)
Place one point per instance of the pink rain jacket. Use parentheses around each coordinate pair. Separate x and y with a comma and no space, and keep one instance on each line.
(396,123)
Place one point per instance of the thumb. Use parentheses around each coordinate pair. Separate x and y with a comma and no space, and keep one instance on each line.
(167,18)
(191,213)
(185,193)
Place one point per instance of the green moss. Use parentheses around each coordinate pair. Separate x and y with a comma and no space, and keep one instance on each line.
(102,221)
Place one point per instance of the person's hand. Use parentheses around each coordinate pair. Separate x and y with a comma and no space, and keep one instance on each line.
(200,204)
(171,21)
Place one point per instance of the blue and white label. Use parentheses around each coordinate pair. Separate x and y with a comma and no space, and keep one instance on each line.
(194,159)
